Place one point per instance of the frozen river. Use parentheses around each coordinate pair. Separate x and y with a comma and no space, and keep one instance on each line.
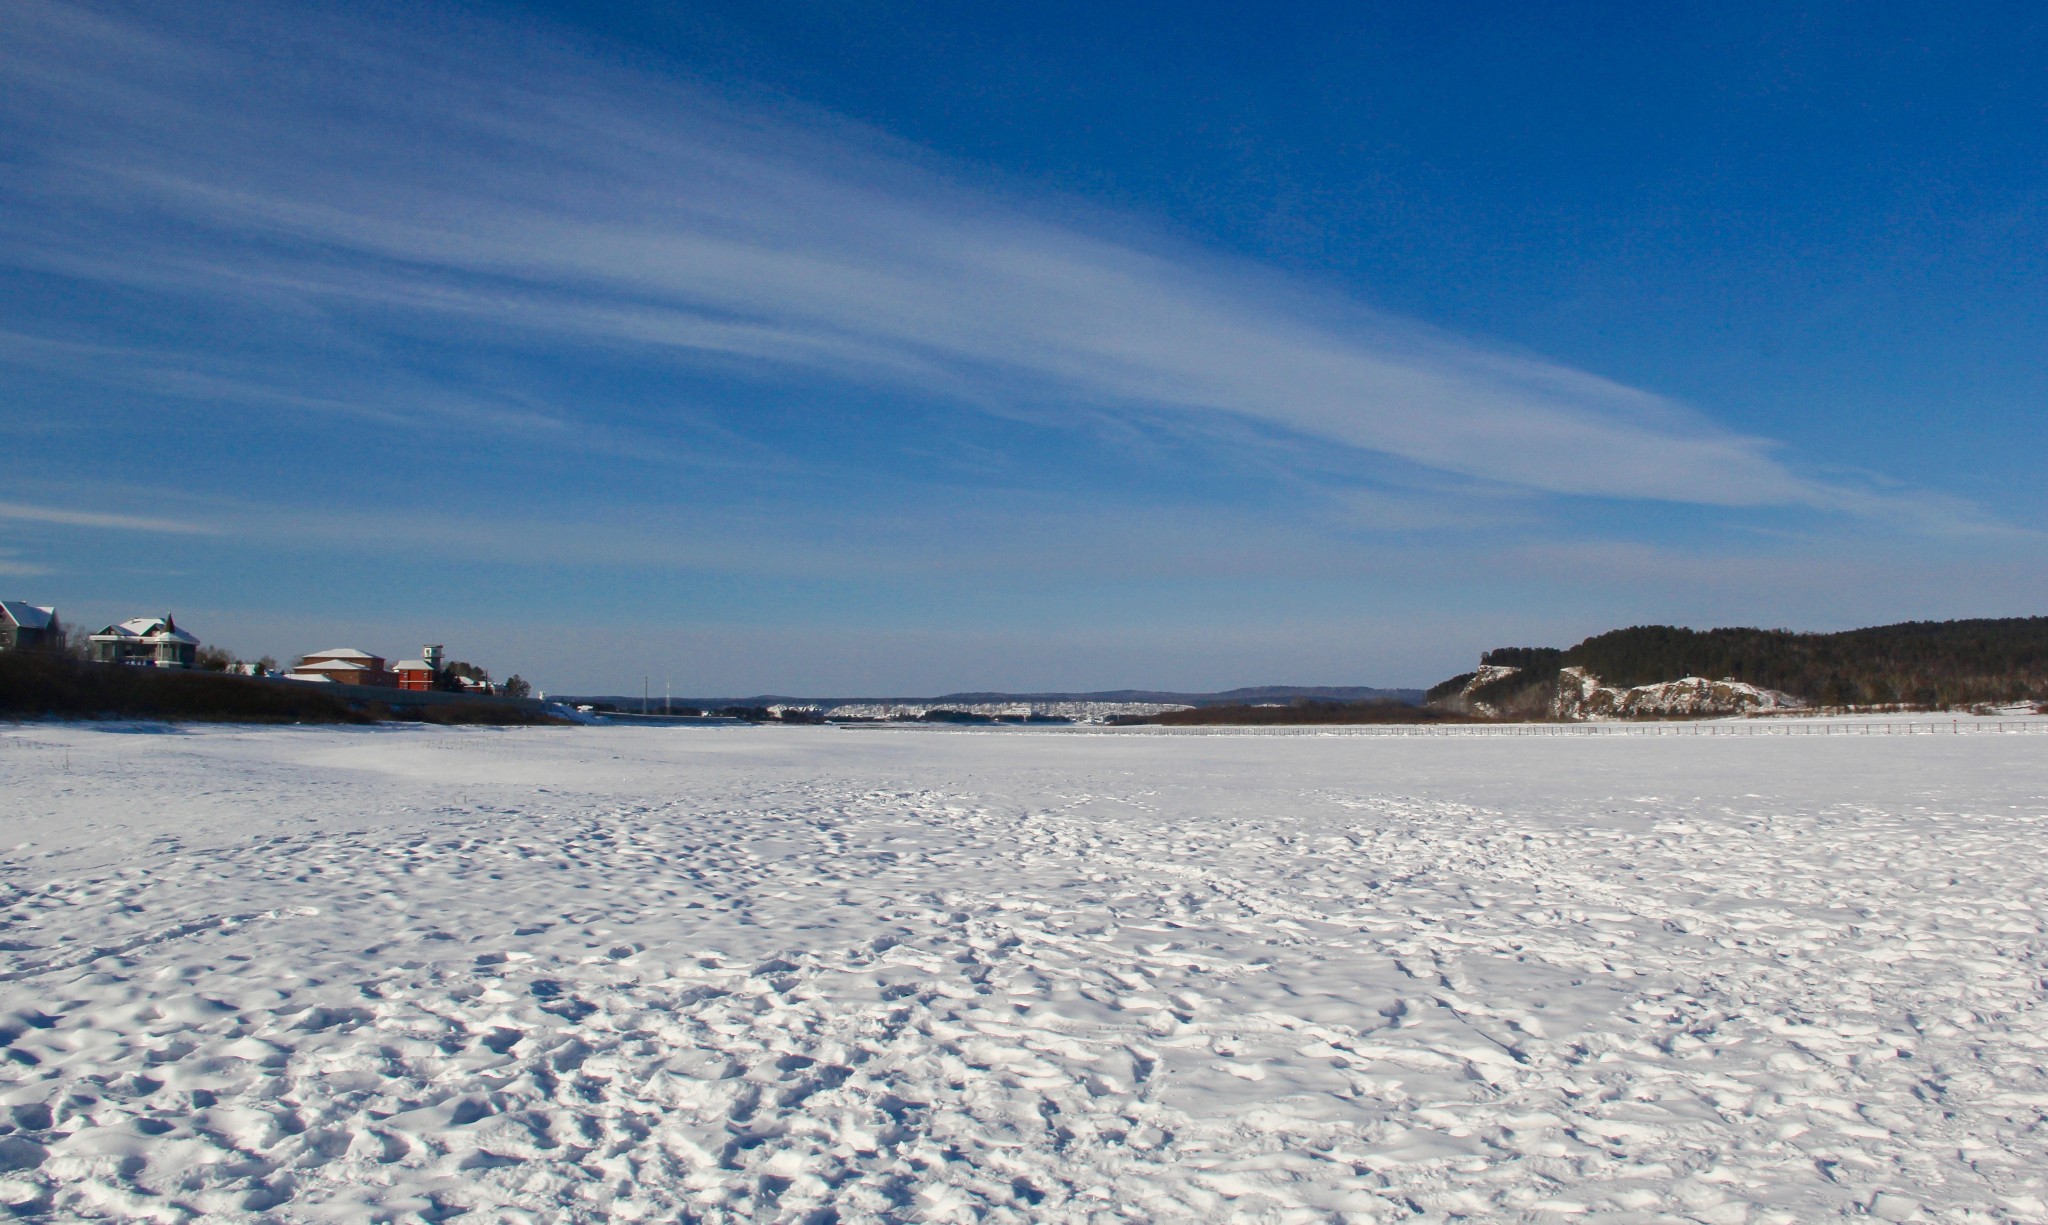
(622,974)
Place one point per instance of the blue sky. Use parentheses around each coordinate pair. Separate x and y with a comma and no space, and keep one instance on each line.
(864,348)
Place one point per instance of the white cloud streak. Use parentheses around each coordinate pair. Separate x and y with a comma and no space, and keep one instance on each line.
(96,519)
(491,184)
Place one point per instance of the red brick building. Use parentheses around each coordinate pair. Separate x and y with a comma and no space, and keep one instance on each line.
(425,673)
(345,666)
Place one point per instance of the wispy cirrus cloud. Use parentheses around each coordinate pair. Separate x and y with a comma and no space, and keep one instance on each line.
(63,517)
(470,180)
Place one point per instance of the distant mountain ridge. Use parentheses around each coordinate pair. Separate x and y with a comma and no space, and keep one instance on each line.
(1228,697)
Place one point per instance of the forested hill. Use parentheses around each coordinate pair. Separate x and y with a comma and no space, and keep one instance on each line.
(1918,662)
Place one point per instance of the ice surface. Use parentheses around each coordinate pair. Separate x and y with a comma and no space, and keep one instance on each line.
(619,974)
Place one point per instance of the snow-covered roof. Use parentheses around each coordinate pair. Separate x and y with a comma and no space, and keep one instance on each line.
(28,616)
(413,665)
(333,665)
(343,653)
(158,629)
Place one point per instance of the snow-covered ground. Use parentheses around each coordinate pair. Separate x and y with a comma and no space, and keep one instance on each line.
(618,974)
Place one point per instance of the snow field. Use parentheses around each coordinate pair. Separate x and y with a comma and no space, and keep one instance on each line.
(619,974)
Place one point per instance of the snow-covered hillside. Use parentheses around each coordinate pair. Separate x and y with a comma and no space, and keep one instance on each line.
(1580,695)
(1487,674)
(626,974)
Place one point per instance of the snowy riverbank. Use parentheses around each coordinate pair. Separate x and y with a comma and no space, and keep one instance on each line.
(612,974)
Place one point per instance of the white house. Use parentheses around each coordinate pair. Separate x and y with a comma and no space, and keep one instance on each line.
(147,642)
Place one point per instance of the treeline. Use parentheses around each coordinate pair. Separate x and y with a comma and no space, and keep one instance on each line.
(762,714)
(51,684)
(38,684)
(1917,663)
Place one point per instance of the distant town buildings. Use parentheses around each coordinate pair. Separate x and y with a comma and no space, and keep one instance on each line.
(157,642)
(147,642)
(26,626)
(430,673)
